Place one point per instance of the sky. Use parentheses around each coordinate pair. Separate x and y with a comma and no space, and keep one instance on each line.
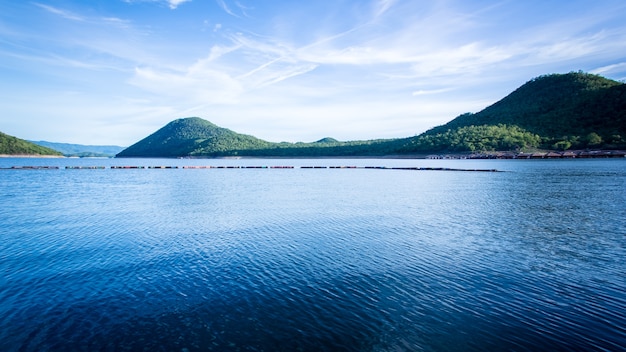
(111,72)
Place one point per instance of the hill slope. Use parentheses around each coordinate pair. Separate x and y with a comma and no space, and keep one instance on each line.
(565,110)
(10,145)
(192,136)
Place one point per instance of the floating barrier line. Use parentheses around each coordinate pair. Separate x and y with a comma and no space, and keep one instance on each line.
(84,167)
(31,168)
(243,167)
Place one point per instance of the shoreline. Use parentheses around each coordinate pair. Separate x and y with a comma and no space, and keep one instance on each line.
(32,156)
(568,154)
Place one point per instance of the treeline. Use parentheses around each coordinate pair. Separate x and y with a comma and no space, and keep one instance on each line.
(474,138)
(378,147)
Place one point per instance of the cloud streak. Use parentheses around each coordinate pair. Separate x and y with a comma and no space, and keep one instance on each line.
(62,13)
(226,8)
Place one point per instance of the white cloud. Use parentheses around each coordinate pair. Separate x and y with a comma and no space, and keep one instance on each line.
(430,91)
(175,3)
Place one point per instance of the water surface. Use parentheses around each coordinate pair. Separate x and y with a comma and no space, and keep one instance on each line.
(313,259)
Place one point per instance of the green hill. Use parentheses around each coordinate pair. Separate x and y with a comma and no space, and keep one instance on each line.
(193,136)
(10,145)
(558,111)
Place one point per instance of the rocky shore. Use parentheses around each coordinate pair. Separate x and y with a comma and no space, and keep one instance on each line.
(568,154)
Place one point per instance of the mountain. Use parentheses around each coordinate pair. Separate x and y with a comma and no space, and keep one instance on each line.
(10,145)
(192,136)
(557,111)
(82,150)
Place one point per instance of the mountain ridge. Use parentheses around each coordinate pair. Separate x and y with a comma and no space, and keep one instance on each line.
(553,112)
(557,112)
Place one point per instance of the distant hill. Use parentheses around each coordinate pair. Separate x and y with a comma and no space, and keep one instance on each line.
(82,150)
(192,136)
(557,112)
(10,145)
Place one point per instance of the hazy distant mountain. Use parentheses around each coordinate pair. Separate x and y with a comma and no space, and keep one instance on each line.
(558,111)
(10,145)
(82,150)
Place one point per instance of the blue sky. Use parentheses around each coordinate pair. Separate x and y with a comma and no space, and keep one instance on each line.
(114,71)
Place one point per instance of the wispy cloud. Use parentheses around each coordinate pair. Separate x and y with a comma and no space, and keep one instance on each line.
(243,8)
(63,13)
(618,67)
(226,8)
(381,6)
(172,4)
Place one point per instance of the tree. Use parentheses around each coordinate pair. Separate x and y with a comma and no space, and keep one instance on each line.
(562,145)
(594,139)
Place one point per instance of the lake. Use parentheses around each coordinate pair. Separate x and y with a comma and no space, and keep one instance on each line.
(231,259)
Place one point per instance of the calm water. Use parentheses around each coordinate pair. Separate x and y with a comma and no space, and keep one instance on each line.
(533,258)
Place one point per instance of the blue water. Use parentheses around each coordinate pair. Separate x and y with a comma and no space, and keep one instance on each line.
(533,258)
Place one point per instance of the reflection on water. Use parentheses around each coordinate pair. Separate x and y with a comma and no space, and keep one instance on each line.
(297,259)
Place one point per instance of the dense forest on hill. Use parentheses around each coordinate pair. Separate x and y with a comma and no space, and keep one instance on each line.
(568,111)
(472,139)
(10,145)
(193,136)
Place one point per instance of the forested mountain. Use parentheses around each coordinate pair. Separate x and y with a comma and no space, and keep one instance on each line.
(81,150)
(10,145)
(558,112)
(192,136)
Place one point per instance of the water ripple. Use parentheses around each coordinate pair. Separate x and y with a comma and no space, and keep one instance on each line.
(332,260)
